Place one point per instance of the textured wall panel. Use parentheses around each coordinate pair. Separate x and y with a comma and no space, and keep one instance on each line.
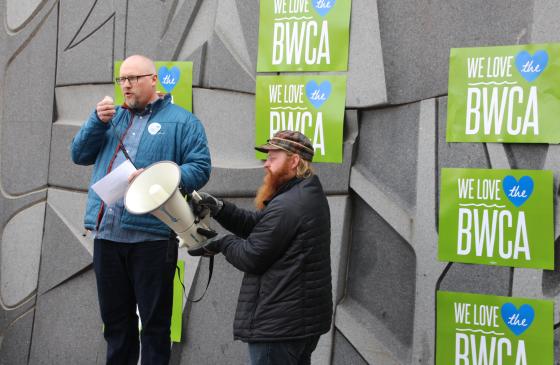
(20,253)
(387,149)
(28,109)
(344,353)
(545,27)
(88,31)
(145,24)
(366,75)
(381,278)
(18,12)
(176,25)
(67,327)
(69,207)
(340,231)
(74,105)
(201,29)
(478,279)
(416,38)
(225,71)
(62,255)
(232,50)
(231,138)
(16,341)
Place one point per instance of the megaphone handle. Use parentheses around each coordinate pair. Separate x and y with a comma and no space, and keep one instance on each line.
(196,196)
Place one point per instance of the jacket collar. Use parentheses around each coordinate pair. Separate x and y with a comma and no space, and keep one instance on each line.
(154,106)
(284,187)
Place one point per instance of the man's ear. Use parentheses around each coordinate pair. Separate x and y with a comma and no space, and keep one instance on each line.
(295,161)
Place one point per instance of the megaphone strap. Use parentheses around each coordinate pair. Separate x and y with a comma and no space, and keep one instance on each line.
(210,271)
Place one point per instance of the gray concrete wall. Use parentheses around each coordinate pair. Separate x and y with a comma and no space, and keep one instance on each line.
(56,62)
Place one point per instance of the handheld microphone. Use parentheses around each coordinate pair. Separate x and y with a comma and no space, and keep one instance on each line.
(121,143)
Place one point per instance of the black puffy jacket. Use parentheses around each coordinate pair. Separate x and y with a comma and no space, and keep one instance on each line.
(284,251)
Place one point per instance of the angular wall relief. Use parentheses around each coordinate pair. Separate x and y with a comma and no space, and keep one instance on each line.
(366,74)
(344,353)
(18,12)
(387,150)
(63,254)
(20,255)
(14,348)
(225,70)
(88,35)
(228,118)
(416,38)
(74,105)
(67,327)
(25,128)
(381,281)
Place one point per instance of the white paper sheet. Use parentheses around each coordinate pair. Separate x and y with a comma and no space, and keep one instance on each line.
(113,186)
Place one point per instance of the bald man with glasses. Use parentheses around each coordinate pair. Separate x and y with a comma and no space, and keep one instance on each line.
(135,256)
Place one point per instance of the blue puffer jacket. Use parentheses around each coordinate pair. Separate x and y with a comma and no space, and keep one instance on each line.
(181,139)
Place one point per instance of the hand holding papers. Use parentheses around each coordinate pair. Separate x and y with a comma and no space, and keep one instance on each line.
(113,186)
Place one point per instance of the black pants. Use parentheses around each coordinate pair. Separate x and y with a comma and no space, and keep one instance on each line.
(136,273)
(297,352)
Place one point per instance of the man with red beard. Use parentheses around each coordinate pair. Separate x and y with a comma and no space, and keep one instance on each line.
(285,300)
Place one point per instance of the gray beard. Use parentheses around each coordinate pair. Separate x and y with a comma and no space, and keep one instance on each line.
(133,104)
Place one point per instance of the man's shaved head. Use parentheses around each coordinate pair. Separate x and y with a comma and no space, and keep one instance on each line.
(142,62)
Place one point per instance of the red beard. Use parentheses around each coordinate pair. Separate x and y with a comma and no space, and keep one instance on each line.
(270,185)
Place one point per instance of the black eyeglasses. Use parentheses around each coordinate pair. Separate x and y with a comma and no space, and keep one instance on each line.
(132,79)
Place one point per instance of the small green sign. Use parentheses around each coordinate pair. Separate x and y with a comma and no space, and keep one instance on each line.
(497,217)
(487,330)
(303,35)
(504,94)
(174,77)
(313,105)
(177,311)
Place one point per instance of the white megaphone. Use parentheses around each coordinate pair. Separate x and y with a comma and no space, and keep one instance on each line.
(156,191)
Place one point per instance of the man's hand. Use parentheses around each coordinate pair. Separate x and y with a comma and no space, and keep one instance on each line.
(105,109)
(207,202)
(210,247)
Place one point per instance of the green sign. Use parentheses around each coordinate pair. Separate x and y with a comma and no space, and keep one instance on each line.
(491,330)
(177,310)
(497,217)
(173,77)
(313,105)
(504,94)
(303,35)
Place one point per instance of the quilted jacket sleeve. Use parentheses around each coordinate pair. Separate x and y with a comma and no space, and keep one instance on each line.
(88,141)
(269,239)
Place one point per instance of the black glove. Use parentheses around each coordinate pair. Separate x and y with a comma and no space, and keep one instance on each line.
(211,247)
(205,204)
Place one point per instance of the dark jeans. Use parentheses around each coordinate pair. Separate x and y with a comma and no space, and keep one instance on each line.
(296,352)
(136,273)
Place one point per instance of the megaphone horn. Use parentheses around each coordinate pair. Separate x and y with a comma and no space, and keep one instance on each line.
(156,191)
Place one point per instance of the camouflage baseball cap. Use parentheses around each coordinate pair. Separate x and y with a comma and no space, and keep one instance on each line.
(289,141)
